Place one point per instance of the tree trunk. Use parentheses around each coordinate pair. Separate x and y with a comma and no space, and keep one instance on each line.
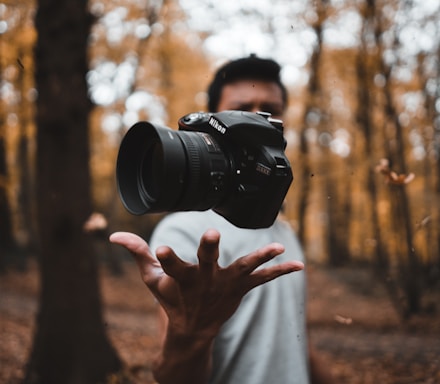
(339,213)
(25,159)
(312,103)
(70,344)
(365,74)
(394,143)
(6,235)
(7,243)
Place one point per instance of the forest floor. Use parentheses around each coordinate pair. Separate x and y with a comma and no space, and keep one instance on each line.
(352,324)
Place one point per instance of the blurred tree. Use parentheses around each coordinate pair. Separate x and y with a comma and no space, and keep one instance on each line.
(70,344)
(7,243)
(16,70)
(395,143)
(25,153)
(312,98)
(335,167)
(428,71)
(366,67)
(339,207)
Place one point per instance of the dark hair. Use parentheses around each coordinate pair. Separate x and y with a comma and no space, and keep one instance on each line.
(247,68)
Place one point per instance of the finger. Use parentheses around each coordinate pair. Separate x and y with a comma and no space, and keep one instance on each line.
(245,265)
(152,272)
(172,264)
(265,275)
(140,250)
(133,243)
(208,254)
(208,249)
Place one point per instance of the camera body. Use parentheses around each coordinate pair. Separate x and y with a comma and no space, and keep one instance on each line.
(232,162)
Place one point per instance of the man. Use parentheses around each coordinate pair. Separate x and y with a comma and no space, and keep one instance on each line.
(228,318)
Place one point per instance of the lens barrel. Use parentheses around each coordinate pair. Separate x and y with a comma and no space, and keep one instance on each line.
(160,169)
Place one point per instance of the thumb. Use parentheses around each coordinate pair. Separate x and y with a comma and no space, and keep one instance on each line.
(138,248)
(133,243)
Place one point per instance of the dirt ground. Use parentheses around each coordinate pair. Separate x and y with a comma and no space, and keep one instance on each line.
(352,324)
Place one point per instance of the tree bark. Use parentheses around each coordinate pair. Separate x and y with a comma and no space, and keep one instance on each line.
(7,243)
(312,103)
(70,344)
(410,277)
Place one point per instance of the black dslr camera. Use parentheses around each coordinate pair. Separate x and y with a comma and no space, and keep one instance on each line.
(231,161)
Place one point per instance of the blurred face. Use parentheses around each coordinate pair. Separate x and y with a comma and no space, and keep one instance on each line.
(252,96)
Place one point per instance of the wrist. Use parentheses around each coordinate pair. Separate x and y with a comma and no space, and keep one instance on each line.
(186,355)
(190,342)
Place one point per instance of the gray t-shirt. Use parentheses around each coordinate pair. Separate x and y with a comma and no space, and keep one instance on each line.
(265,341)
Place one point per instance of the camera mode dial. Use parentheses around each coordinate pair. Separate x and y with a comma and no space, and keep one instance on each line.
(193,118)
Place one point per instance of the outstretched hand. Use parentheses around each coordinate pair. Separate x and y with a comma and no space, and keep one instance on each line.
(199,298)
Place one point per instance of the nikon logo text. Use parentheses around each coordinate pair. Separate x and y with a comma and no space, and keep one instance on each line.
(216,124)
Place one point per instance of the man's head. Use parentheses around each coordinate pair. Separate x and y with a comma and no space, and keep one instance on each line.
(249,84)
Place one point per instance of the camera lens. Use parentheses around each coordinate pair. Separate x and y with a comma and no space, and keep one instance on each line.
(159,169)
(150,171)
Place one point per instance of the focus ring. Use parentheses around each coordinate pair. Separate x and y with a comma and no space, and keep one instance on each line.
(193,162)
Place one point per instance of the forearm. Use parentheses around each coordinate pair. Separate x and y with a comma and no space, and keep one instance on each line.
(184,359)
